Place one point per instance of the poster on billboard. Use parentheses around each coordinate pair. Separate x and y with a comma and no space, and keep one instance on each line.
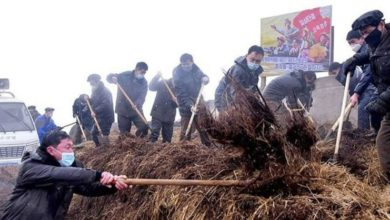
(299,40)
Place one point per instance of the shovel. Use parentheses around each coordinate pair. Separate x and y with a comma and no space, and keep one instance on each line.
(336,124)
(182,182)
(338,139)
(307,114)
(169,89)
(81,128)
(133,105)
(62,127)
(94,117)
(347,123)
(194,112)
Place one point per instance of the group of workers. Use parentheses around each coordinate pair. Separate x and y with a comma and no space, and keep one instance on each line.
(49,177)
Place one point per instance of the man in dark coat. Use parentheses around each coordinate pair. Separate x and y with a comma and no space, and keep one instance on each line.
(361,89)
(48,178)
(188,78)
(81,110)
(103,110)
(244,73)
(136,87)
(163,110)
(377,36)
(34,112)
(291,86)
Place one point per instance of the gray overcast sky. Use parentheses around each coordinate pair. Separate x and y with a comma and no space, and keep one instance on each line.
(48,48)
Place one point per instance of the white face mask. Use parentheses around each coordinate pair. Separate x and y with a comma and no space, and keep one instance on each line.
(186,67)
(94,87)
(356,47)
(139,76)
(253,66)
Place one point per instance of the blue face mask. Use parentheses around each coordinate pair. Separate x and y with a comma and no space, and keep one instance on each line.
(67,159)
(253,66)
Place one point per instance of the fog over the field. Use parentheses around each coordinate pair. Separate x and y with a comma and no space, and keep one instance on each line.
(48,48)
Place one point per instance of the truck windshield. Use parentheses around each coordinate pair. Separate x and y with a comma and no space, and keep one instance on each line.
(15,117)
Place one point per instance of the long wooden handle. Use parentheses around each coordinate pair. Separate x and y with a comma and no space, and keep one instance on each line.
(181,182)
(81,127)
(341,119)
(288,108)
(133,105)
(195,107)
(169,90)
(336,124)
(306,112)
(94,117)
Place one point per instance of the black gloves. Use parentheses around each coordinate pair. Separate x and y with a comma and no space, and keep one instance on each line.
(378,106)
(174,104)
(381,104)
(349,66)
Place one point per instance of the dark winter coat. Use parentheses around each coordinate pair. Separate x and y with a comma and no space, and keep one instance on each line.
(44,189)
(240,74)
(164,107)
(135,88)
(290,86)
(365,83)
(187,85)
(360,83)
(379,60)
(80,109)
(34,114)
(101,100)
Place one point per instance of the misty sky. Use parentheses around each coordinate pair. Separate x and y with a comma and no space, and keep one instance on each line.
(48,48)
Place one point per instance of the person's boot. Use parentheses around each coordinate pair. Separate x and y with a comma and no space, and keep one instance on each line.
(104,141)
(152,140)
(371,135)
(88,134)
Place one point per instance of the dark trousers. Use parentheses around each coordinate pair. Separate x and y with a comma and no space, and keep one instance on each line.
(166,129)
(106,127)
(78,136)
(376,120)
(125,123)
(204,138)
(363,115)
(366,119)
(383,144)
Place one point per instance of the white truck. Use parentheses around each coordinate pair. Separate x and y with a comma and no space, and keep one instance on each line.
(18,133)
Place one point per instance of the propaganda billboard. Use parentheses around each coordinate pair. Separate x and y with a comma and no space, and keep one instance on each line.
(299,40)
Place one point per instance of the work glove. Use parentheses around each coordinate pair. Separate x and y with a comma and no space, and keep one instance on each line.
(349,66)
(187,109)
(194,110)
(378,106)
(174,104)
(205,80)
(114,80)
